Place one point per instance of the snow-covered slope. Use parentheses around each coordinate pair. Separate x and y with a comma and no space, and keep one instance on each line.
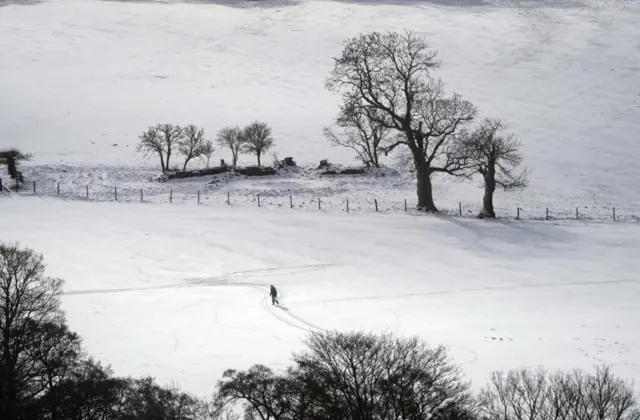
(180,292)
(78,76)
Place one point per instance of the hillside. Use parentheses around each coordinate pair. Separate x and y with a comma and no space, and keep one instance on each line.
(181,292)
(81,79)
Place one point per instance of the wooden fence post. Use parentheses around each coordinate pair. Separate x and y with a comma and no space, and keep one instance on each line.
(614,214)
(141,196)
(347,205)
(87,187)
(58,187)
(375,200)
(290,201)
(518,213)
(405,204)
(171,195)
(258,200)
(547,215)
(34,186)
(115,192)
(198,196)
(577,214)
(460,208)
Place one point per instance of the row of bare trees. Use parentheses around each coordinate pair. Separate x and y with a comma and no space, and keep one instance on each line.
(391,101)
(46,374)
(368,376)
(163,140)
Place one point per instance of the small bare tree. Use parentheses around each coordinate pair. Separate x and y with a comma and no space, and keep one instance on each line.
(160,140)
(361,132)
(192,144)
(150,144)
(231,137)
(207,151)
(495,156)
(12,159)
(257,139)
(171,135)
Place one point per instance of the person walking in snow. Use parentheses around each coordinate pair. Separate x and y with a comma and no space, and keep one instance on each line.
(274,295)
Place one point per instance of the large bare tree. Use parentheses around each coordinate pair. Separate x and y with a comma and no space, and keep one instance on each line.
(257,138)
(495,156)
(390,74)
(29,302)
(361,132)
(192,144)
(231,138)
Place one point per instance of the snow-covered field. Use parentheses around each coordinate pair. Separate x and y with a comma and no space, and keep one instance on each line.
(179,291)
(80,76)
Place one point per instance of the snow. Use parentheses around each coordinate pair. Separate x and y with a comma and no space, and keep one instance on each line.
(180,291)
(79,76)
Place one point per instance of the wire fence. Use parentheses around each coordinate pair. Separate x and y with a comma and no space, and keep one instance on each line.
(307,201)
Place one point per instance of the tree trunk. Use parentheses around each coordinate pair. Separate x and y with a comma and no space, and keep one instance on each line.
(168,157)
(489,189)
(258,154)
(162,165)
(12,167)
(425,190)
(186,161)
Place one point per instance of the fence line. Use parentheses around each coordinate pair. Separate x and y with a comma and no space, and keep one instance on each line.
(332,203)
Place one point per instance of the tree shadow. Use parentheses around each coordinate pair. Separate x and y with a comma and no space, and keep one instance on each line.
(512,236)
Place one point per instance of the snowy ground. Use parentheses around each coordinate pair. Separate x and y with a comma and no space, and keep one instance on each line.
(81,76)
(180,292)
